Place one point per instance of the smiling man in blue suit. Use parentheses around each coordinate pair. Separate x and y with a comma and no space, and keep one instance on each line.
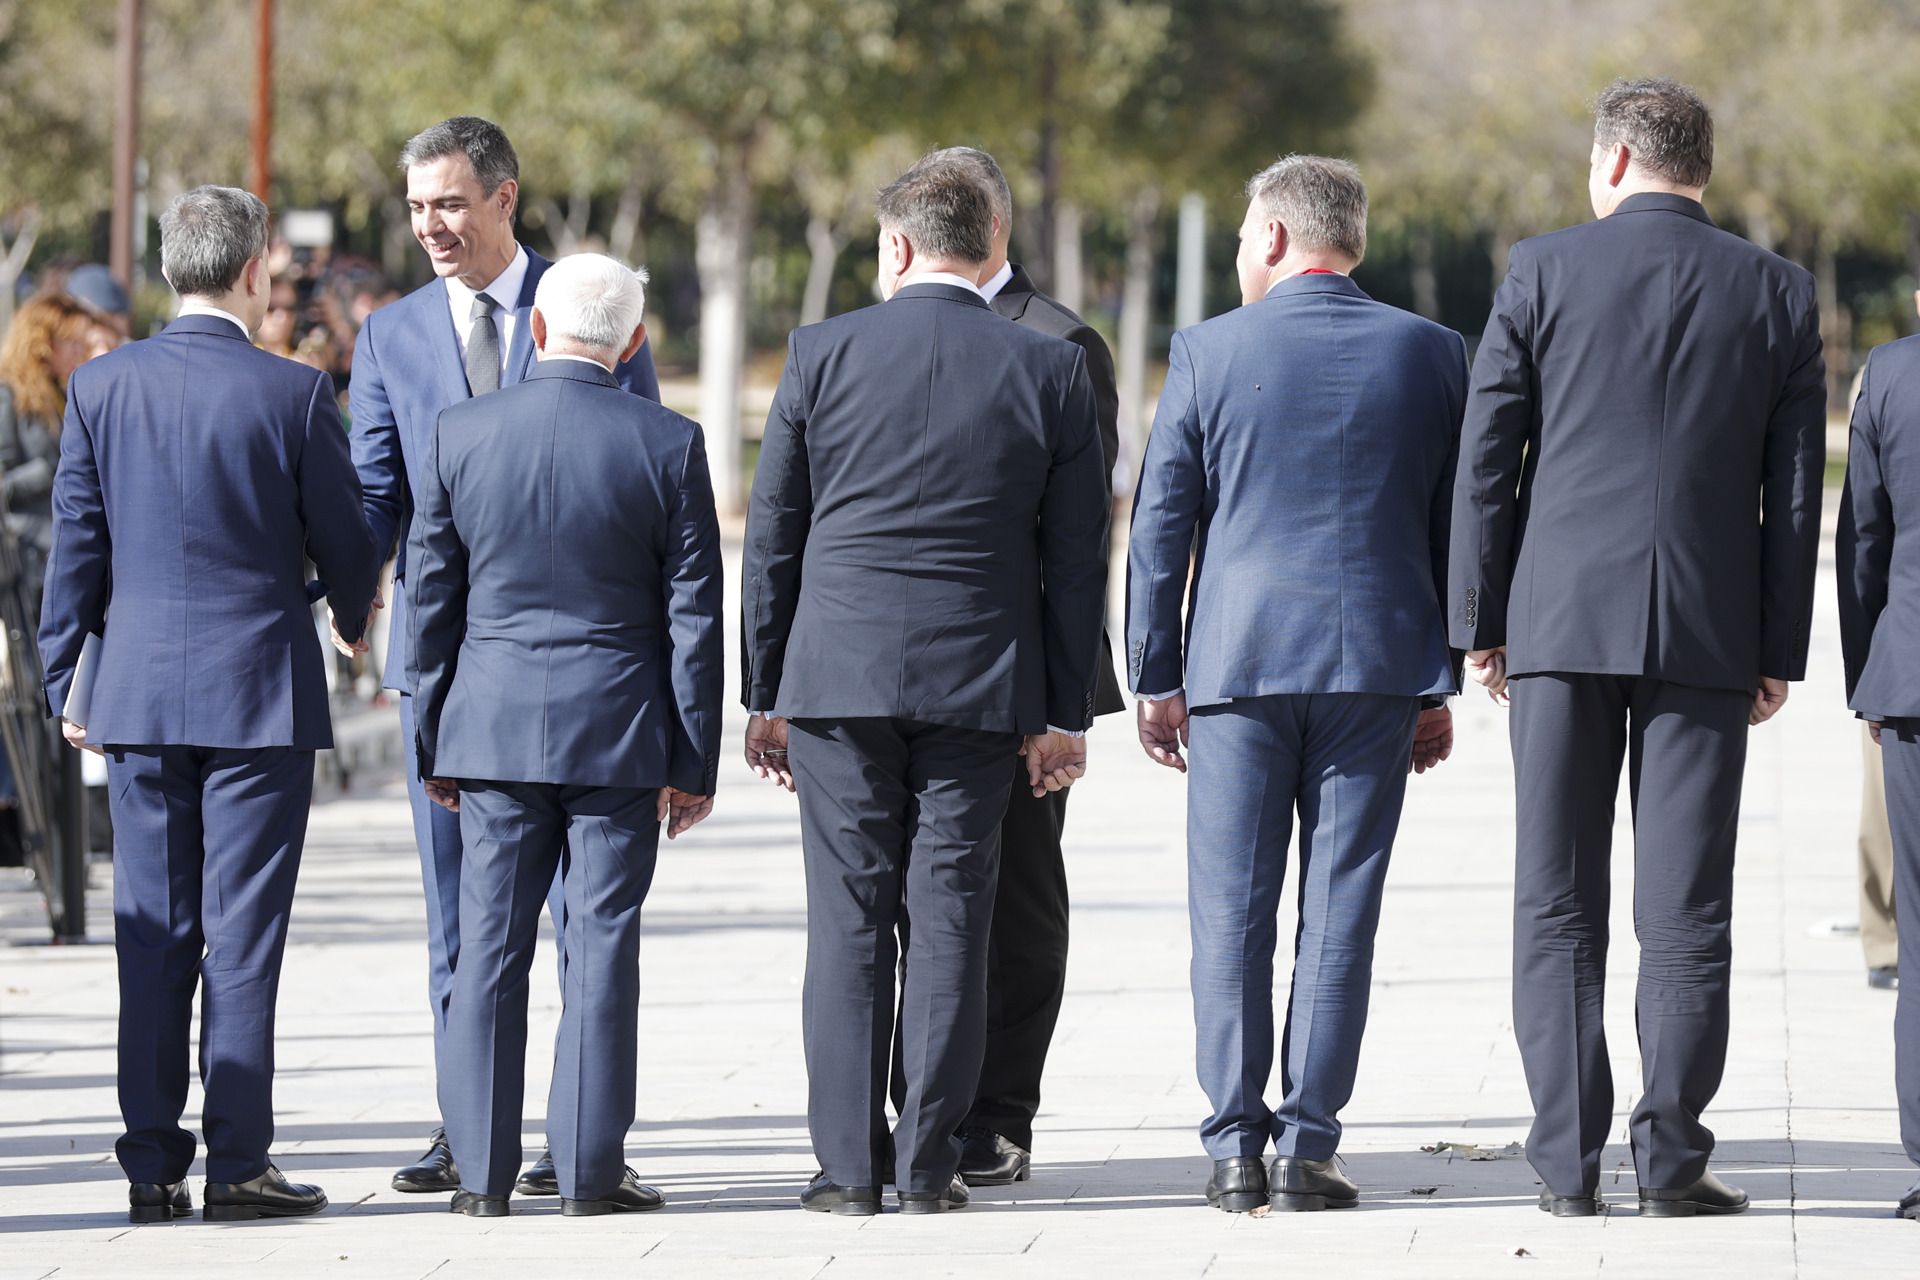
(464,334)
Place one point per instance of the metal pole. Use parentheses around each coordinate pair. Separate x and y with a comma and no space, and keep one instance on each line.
(263,100)
(126,140)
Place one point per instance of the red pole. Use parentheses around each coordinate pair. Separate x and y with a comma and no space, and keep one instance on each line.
(126,141)
(263,100)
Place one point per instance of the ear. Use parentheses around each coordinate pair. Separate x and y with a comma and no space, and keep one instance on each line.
(537,326)
(1276,242)
(508,195)
(633,343)
(1619,160)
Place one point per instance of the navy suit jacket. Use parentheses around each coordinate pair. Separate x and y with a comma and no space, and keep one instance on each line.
(1302,457)
(197,476)
(1877,551)
(928,529)
(567,590)
(1641,465)
(407,367)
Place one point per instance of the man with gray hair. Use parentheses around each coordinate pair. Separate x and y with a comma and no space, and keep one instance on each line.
(1302,455)
(1634,539)
(197,477)
(566,662)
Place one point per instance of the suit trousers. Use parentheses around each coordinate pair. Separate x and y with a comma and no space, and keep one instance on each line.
(1341,760)
(1879,935)
(896,813)
(1686,751)
(602,842)
(1900,752)
(206,848)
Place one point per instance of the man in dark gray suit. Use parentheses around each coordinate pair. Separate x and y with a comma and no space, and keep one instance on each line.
(1303,453)
(1633,543)
(567,665)
(937,472)
(1877,554)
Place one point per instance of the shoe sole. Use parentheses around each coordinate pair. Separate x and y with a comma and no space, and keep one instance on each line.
(846,1209)
(601,1208)
(536,1188)
(931,1206)
(992,1180)
(409,1187)
(254,1212)
(1577,1209)
(484,1209)
(1302,1202)
(1686,1209)
(1239,1201)
(156,1213)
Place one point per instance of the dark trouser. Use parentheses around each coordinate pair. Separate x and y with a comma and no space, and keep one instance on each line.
(1686,751)
(436,832)
(893,813)
(206,848)
(1341,758)
(602,841)
(1900,757)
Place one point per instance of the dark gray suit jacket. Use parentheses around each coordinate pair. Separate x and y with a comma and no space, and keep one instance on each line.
(1877,551)
(567,589)
(927,534)
(1641,464)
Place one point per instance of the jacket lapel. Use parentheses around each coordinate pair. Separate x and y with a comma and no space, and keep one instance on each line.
(1014,296)
(520,354)
(443,343)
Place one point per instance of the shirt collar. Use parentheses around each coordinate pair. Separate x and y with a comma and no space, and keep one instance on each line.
(545,357)
(943,277)
(991,289)
(196,307)
(504,288)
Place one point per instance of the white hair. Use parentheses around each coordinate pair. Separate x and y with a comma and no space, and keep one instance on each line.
(590,300)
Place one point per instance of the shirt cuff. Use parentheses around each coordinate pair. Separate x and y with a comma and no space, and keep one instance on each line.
(1069,733)
(1159,697)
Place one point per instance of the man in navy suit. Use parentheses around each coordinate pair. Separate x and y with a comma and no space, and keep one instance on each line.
(197,476)
(567,668)
(1877,554)
(464,334)
(1302,454)
(1634,536)
(938,473)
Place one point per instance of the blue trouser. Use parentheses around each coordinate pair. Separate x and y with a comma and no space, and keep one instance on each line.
(206,848)
(1900,761)
(601,841)
(1341,760)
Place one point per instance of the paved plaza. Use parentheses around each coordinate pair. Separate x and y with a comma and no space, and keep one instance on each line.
(1806,1118)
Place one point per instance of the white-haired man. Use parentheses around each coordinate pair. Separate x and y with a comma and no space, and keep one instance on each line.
(566,667)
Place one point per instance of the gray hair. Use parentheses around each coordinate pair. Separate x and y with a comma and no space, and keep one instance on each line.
(207,237)
(482,142)
(1665,126)
(942,209)
(986,171)
(1319,200)
(593,301)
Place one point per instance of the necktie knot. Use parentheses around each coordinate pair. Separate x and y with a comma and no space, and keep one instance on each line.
(483,307)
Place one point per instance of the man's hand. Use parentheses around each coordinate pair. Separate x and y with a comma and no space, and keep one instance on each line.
(1163,730)
(1488,669)
(1873,727)
(767,750)
(1432,739)
(444,792)
(1767,702)
(684,808)
(1054,761)
(362,644)
(76,736)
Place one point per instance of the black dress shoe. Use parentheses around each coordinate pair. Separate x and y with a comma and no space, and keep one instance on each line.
(539,1179)
(1238,1185)
(630,1195)
(1305,1185)
(1884,979)
(954,1197)
(268,1196)
(1910,1206)
(475,1205)
(1569,1206)
(435,1171)
(1708,1195)
(989,1160)
(158,1201)
(822,1196)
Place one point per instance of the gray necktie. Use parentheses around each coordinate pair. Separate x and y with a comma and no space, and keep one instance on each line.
(483,348)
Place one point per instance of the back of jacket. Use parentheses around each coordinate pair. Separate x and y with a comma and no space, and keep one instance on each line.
(1878,545)
(566,583)
(1303,452)
(1642,460)
(197,475)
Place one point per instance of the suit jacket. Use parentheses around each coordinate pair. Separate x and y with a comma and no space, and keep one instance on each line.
(927,533)
(1302,455)
(1023,304)
(1877,550)
(197,476)
(29,452)
(567,590)
(1641,465)
(407,367)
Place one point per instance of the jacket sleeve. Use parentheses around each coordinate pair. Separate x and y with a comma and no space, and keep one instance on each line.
(1863,546)
(377,453)
(330,505)
(1502,410)
(1073,556)
(437,569)
(79,579)
(779,518)
(1166,516)
(695,589)
(1791,477)
(638,375)
(1440,509)
(24,479)
(1106,392)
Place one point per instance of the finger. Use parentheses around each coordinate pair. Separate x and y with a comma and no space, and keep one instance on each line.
(1033,768)
(663,804)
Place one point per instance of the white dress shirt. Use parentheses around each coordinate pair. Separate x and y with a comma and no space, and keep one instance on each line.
(941,277)
(195,307)
(504,289)
(991,289)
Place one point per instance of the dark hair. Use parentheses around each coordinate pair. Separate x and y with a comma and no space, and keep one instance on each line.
(942,209)
(482,142)
(1667,129)
(207,237)
(987,169)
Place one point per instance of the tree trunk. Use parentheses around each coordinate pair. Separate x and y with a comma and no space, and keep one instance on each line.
(1760,226)
(1836,325)
(721,237)
(625,241)
(1070,284)
(13,263)
(1136,318)
(1038,252)
(1426,281)
(824,244)
(1190,283)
